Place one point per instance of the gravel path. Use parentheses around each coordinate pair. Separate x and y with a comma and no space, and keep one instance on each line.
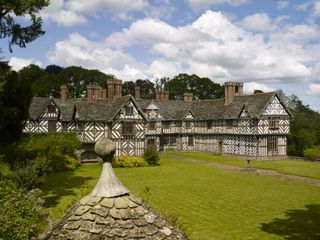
(258,171)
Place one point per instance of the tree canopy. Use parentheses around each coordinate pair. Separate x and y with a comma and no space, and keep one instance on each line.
(9,26)
(15,98)
(202,88)
(304,126)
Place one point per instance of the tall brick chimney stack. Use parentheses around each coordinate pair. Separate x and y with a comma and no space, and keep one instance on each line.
(110,90)
(187,97)
(162,95)
(231,90)
(63,93)
(137,92)
(114,89)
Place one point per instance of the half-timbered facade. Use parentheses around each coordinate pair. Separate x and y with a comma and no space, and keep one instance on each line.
(252,125)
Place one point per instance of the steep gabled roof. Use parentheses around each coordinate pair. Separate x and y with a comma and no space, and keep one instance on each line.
(67,109)
(212,109)
(37,106)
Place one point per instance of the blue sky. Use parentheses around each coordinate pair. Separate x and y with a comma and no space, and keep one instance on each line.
(267,44)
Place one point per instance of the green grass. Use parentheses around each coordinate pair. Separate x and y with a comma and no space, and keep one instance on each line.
(208,202)
(292,167)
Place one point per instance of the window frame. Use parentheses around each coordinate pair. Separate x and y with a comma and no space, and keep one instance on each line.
(129,111)
(166,124)
(152,125)
(188,124)
(273,122)
(272,143)
(127,128)
(190,141)
(51,109)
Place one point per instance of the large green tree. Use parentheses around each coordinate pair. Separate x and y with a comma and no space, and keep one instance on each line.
(15,98)
(12,29)
(202,88)
(77,79)
(304,126)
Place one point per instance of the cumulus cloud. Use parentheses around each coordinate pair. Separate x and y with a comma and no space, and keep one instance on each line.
(282,4)
(316,9)
(78,50)
(212,46)
(74,12)
(19,63)
(314,89)
(257,22)
(196,4)
(251,86)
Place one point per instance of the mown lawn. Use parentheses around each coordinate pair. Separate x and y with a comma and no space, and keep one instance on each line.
(207,202)
(292,167)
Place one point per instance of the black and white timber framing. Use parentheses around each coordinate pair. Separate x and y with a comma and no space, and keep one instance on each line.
(247,125)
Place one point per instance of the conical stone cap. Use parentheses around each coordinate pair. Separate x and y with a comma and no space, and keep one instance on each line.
(108,184)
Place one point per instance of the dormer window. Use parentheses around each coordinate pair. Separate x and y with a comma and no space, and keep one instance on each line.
(129,110)
(188,125)
(209,124)
(273,122)
(51,109)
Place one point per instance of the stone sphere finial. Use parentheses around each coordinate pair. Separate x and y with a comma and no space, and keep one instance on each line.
(105,148)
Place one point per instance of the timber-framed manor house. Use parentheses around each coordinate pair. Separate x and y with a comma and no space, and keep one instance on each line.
(249,125)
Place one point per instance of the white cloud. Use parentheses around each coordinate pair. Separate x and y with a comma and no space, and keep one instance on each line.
(282,4)
(78,50)
(316,9)
(196,4)
(314,89)
(302,6)
(212,46)
(257,22)
(249,87)
(19,63)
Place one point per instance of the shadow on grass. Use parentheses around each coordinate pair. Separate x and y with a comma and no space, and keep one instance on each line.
(63,184)
(299,224)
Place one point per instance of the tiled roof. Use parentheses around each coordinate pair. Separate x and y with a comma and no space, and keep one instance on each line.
(124,217)
(37,106)
(169,109)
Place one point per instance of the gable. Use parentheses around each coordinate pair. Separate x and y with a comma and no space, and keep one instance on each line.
(244,113)
(129,111)
(50,111)
(189,116)
(275,107)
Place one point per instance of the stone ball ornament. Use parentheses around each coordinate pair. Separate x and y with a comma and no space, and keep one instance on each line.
(105,148)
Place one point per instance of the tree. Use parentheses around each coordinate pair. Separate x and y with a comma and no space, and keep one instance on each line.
(304,126)
(53,69)
(77,79)
(10,28)
(146,88)
(202,88)
(128,88)
(15,99)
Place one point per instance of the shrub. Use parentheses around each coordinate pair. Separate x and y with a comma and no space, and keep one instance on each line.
(44,143)
(60,162)
(127,162)
(22,214)
(170,149)
(151,156)
(216,153)
(32,173)
(312,153)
